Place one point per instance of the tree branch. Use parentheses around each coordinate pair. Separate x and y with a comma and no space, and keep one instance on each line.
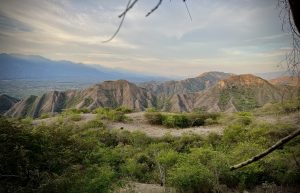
(268,151)
(121,23)
(128,8)
(157,5)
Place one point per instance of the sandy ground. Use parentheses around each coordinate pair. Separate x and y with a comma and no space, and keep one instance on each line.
(137,122)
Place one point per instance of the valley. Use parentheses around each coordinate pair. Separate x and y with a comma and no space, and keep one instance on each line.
(157,136)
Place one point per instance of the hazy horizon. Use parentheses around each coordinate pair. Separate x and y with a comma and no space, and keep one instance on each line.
(233,36)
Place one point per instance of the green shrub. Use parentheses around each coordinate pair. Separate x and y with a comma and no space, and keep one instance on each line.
(75,117)
(181,120)
(191,178)
(72,111)
(210,121)
(93,124)
(243,118)
(151,110)
(175,120)
(111,114)
(233,134)
(27,120)
(154,118)
(124,110)
(45,116)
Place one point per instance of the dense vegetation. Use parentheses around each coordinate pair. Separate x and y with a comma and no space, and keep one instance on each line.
(65,157)
(181,120)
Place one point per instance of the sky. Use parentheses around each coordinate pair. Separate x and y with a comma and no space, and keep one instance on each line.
(237,36)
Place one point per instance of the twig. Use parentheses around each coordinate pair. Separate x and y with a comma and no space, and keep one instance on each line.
(156,7)
(128,8)
(187,9)
(120,25)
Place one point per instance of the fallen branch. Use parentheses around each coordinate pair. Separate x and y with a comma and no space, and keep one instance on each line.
(279,143)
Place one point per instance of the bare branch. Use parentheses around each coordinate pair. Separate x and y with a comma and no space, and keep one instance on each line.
(120,25)
(128,8)
(268,151)
(156,7)
(187,9)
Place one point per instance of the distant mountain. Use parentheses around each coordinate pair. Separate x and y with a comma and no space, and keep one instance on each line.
(6,102)
(199,83)
(236,93)
(107,94)
(16,66)
(285,80)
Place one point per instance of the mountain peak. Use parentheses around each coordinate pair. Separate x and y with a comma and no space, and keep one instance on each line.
(213,73)
(242,80)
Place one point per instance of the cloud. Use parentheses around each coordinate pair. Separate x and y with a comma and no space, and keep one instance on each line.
(231,35)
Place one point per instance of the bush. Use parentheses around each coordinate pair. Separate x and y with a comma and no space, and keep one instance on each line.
(175,120)
(75,111)
(210,121)
(75,117)
(111,114)
(124,110)
(45,116)
(93,124)
(181,120)
(191,178)
(154,118)
(243,118)
(151,110)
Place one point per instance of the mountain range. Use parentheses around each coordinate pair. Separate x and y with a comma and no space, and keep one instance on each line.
(211,91)
(17,66)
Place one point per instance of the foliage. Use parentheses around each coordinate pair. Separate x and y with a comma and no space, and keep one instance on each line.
(117,115)
(68,157)
(154,118)
(73,111)
(191,177)
(75,117)
(93,124)
(181,120)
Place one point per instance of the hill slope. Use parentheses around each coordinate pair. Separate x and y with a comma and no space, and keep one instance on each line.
(108,94)
(202,82)
(236,93)
(285,80)
(6,102)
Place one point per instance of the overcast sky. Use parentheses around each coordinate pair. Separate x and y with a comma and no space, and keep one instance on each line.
(239,36)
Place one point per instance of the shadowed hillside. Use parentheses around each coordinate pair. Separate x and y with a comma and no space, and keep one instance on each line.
(108,94)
